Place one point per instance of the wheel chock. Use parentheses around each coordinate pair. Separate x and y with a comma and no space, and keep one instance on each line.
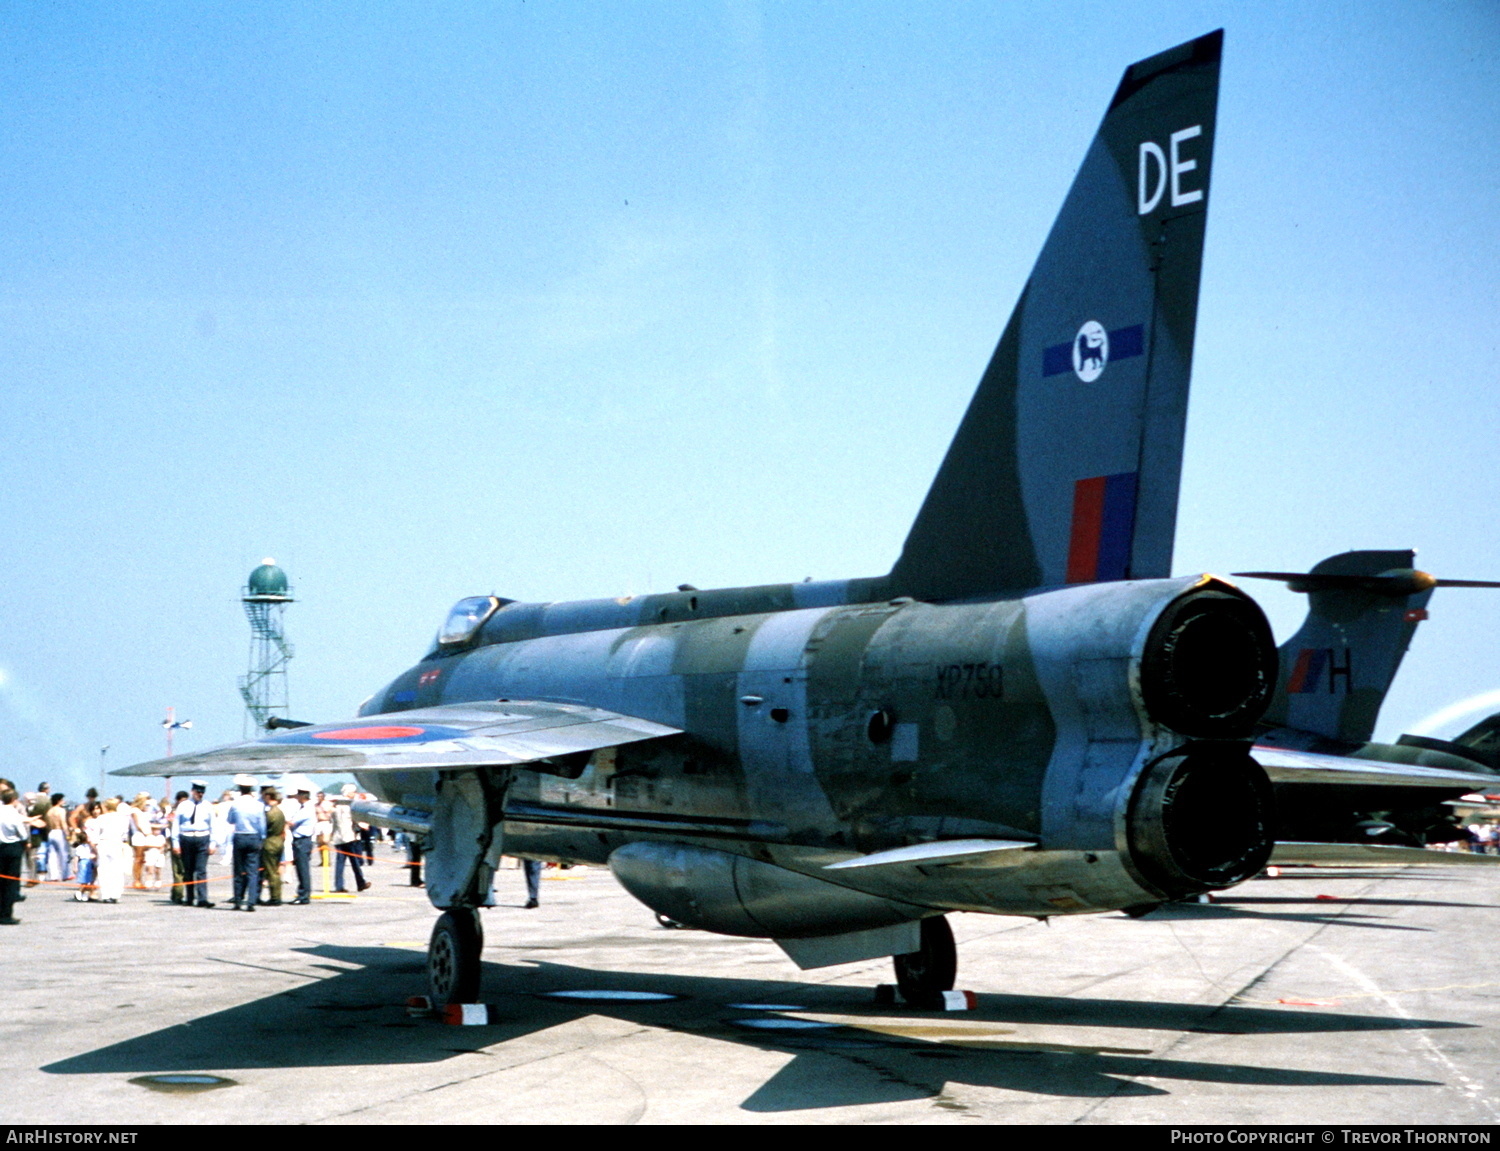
(419,1005)
(886,995)
(470,1014)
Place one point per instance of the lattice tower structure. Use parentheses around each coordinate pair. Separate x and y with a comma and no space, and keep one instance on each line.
(264,686)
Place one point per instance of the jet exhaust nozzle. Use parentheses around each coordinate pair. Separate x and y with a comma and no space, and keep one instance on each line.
(1201,818)
(1210,665)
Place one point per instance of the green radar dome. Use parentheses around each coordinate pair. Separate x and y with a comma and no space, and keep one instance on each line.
(268,579)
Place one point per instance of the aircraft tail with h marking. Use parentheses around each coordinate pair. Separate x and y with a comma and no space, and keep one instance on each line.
(1363,609)
(1067,464)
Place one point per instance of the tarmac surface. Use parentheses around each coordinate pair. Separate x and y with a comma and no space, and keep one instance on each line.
(1321,997)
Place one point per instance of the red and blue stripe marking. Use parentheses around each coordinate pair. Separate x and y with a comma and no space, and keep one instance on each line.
(1307,672)
(1103,528)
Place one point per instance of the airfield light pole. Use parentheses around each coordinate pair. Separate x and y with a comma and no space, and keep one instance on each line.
(171,724)
(103,756)
(264,686)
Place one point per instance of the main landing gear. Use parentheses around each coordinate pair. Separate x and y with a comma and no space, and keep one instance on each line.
(923,975)
(453,957)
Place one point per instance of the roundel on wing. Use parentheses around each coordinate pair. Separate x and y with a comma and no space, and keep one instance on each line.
(374,734)
(1090,351)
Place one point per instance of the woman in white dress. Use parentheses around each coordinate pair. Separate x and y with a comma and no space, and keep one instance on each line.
(111,832)
(140,835)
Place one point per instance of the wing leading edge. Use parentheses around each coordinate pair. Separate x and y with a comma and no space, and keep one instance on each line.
(1284,765)
(507,733)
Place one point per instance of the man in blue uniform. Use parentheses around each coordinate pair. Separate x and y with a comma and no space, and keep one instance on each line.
(247,818)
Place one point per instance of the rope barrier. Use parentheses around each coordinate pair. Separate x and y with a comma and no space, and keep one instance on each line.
(325,865)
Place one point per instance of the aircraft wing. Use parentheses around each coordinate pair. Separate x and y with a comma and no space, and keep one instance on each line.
(504,733)
(1343,854)
(1284,765)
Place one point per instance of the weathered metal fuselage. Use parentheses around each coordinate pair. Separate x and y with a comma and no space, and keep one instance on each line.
(817,734)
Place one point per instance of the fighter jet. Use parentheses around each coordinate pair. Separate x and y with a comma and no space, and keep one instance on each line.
(1027,715)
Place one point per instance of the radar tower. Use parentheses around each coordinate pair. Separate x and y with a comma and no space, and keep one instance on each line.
(264,686)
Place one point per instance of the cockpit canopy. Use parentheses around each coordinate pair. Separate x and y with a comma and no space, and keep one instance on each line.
(467,617)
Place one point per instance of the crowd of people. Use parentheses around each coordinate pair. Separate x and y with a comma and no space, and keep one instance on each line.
(1484,838)
(100,845)
(270,833)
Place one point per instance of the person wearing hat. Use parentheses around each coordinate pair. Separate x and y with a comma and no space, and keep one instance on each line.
(247,819)
(301,824)
(192,826)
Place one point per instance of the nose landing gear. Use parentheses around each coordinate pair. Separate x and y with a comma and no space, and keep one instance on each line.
(453,957)
(923,975)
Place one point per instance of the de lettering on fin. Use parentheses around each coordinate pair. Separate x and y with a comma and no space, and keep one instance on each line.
(1067,464)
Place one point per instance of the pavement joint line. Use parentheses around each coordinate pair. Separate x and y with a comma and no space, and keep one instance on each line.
(1192,1033)
(1472,1090)
(1213,983)
(931,1089)
(262,967)
(596,1056)
(344,1115)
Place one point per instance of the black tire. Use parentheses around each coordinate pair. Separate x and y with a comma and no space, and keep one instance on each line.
(923,976)
(453,957)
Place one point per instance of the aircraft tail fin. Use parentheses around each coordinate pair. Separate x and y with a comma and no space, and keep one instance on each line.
(1066,466)
(1482,741)
(1363,609)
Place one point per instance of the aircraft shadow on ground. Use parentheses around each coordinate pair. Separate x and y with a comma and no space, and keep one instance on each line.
(1228,910)
(355,1017)
(1347,901)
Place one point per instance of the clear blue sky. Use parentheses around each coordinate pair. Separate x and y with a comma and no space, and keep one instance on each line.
(566,300)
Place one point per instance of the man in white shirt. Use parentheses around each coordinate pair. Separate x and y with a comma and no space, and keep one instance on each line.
(192,831)
(301,823)
(15,833)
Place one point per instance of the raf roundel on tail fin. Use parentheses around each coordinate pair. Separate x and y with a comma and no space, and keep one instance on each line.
(1066,466)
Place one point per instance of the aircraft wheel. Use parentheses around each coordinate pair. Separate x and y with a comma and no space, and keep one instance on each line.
(924,975)
(453,957)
